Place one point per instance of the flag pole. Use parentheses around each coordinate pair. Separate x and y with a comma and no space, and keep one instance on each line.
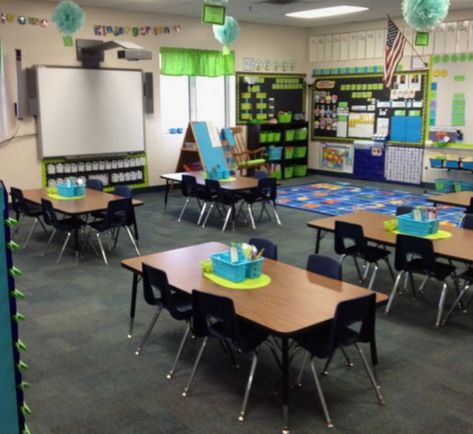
(410,44)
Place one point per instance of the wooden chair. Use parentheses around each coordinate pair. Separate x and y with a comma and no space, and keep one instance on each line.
(246,160)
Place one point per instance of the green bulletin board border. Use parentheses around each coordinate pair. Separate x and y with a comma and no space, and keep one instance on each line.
(426,98)
(240,74)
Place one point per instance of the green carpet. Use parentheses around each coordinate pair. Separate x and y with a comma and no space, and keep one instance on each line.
(86,379)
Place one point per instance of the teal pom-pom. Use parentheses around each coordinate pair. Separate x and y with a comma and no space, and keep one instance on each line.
(425,14)
(227,33)
(69,17)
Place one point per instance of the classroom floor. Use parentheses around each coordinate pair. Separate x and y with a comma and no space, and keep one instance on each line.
(86,378)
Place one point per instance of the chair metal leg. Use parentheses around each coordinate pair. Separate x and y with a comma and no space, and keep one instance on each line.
(50,240)
(342,258)
(30,233)
(66,241)
(276,215)
(115,240)
(329,360)
(321,394)
(441,304)
(208,214)
(196,365)
(413,285)
(373,276)
(358,270)
(227,219)
(301,371)
(202,212)
(423,283)
(375,385)
(455,303)
(390,268)
(254,362)
(104,255)
(366,271)
(132,239)
(179,351)
(252,219)
(183,209)
(393,291)
(349,362)
(148,332)
(20,221)
(43,226)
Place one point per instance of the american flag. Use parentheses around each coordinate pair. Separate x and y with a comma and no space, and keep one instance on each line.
(394,49)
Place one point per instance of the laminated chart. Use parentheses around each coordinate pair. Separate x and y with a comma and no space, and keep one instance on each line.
(13,409)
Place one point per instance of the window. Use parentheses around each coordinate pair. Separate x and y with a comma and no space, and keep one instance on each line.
(210,100)
(174,91)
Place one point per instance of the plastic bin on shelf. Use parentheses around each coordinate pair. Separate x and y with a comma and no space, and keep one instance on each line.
(288,172)
(463,186)
(444,185)
(236,272)
(407,225)
(467,165)
(263,136)
(300,134)
(436,163)
(275,153)
(288,152)
(300,151)
(285,118)
(276,174)
(300,170)
(276,136)
(290,135)
(453,162)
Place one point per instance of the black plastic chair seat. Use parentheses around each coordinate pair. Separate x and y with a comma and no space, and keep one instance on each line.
(33,210)
(69,224)
(249,338)
(183,305)
(374,254)
(100,225)
(467,275)
(440,272)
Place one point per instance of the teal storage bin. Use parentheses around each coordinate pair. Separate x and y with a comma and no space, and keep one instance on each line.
(407,225)
(444,185)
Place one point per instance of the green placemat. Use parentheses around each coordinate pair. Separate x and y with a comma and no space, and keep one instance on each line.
(57,197)
(440,235)
(231,179)
(259,282)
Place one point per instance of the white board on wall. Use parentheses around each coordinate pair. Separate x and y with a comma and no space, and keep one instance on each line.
(90,111)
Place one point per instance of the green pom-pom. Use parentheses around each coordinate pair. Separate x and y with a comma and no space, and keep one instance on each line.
(69,17)
(425,14)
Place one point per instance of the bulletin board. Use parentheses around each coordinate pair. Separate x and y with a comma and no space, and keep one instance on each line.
(270,94)
(451,93)
(358,106)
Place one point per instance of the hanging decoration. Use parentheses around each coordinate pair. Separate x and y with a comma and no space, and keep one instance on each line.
(104,30)
(69,17)
(424,15)
(227,34)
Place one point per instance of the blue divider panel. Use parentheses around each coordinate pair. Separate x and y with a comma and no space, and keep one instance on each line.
(211,156)
(9,422)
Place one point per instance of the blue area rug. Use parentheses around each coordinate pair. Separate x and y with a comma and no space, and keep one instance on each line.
(344,198)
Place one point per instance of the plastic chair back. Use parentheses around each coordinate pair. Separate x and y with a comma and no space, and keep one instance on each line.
(214,312)
(400,210)
(468,221)
(119,213)
(188,185)
(346,233)
(151,285)
(94,184)
(49,214)
(18,201)
(270,249)
(325,266)
(267,188)
(123,191)
(408,247)
(469,210)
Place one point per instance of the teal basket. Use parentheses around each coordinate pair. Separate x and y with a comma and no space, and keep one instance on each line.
(407,225)
(218,173)
(436,163)
(275,153)
(444,185)
(235,272)
(467,165)
(65,190)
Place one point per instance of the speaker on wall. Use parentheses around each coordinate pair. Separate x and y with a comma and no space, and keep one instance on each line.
(149,92)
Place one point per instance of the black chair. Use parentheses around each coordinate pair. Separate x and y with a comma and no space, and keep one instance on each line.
(119,215)
(216,196)
(324,265)
(265,193)
(400,210)
(350,241)
(469,210)
(416,255)
(23,209)
(190,191)
(270,249)
(157,292)
(468,221)
(67,225)
(94,184)
(215,317)
(354,322)
(126,192)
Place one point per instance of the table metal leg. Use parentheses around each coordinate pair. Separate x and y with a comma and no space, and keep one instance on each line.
(285,385)
(76,242)
(134,290)
(166,194)
(317,242)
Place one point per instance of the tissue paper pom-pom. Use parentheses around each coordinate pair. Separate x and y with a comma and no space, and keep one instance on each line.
(425,14)
(227,33)
(69,17)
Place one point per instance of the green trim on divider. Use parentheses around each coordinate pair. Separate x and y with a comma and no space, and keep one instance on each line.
(9,411)
(231,179)
(247,284)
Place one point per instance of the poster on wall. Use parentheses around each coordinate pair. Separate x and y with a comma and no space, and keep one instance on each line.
(361,125)
(336,157)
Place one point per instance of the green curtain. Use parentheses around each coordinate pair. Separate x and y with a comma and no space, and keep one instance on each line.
(190,62)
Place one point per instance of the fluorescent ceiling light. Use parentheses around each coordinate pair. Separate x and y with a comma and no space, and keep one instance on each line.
(327,12)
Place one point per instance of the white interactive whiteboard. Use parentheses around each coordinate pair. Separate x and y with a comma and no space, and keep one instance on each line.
(90,111)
